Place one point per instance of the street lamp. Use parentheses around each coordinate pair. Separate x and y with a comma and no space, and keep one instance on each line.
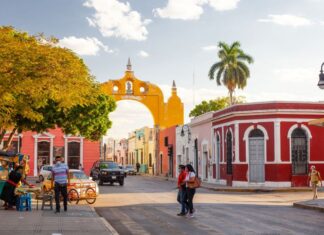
(186,128)
(321,78)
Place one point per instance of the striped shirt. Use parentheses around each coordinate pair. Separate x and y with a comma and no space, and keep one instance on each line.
(60,172)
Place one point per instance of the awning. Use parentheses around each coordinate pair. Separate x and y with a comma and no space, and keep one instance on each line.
(317,122)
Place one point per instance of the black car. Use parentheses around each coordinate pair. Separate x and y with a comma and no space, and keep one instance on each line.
(107,171)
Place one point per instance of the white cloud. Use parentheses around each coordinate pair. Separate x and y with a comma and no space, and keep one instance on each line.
(210,48)
(192,9)
(84,46)
(181,9)
(143,54)
(223,5)
(287,20)
(116,19)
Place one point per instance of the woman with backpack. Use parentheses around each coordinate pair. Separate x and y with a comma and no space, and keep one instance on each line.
(315,179)
(191,188)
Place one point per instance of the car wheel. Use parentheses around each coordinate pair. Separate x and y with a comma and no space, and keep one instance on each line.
(100,182)
(41,178)
(121,182)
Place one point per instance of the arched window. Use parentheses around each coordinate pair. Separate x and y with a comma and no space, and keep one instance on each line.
(218,158)
(43,153)
(73,155)
(256,133)
(229,153)
(299,152)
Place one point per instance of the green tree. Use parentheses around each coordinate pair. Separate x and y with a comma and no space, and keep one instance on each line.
(40,82)
(231,70)
(214,105)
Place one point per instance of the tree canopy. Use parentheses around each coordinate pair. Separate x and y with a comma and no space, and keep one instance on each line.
(41,84)
(214,105)
(231,69)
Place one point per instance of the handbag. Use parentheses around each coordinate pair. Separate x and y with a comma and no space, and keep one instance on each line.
(196,183)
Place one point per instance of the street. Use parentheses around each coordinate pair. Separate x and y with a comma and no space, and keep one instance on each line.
(147,205)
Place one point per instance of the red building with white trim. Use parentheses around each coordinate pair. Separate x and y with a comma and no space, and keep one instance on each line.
(42,149)
(268,143)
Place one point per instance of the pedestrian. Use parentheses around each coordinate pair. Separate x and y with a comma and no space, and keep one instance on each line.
(60,181)
(8,191)
(190,185)
(182,195)
(315,178)
(138,166)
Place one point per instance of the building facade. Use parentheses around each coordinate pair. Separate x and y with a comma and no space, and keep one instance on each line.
(166,161)
(42,149)
(268,144)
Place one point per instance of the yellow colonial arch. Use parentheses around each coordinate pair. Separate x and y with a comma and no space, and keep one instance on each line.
(130,88)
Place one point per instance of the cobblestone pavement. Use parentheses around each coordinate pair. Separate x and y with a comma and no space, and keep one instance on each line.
(148,206)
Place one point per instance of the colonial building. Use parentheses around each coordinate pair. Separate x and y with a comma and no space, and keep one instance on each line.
(267,143)
(42,149)
(166,162)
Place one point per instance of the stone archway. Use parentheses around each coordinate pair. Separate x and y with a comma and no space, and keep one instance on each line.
(130,88)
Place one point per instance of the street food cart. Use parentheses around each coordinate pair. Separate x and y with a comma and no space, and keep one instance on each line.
(8,160)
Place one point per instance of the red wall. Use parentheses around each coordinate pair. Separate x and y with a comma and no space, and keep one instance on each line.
(171,134)
(91,150)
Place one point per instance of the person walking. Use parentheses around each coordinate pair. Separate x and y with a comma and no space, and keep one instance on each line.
(315,178)
(60,180)
(191,190)
(138,167)
(182,198)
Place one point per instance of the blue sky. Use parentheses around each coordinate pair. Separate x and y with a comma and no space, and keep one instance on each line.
(172,39)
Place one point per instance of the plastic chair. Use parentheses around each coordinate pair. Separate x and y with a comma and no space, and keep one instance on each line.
(24,202)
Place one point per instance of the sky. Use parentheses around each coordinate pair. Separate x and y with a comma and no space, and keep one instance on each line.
(177,40)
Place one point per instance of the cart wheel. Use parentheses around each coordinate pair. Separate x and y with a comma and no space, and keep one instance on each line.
(90,196)
(73,196)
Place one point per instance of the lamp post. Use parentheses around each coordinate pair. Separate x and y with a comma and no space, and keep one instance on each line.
(321,78)
(186,127)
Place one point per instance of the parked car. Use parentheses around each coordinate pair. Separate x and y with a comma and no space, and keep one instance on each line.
(80,187)
(130,170)
(45,171)
(107,171)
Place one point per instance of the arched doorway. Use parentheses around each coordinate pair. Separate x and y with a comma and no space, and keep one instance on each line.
(229,153)
(299,152)
(256,156)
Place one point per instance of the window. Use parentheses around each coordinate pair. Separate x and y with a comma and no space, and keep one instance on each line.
(299,152)
(166,141)
(13,146)
(74,155)
(229,153)
(150,160)
(43,154)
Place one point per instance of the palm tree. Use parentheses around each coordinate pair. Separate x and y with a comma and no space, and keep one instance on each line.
(231,70)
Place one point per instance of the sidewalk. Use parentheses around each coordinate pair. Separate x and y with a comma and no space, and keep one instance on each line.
(251,189)
(317,205)
(79,219)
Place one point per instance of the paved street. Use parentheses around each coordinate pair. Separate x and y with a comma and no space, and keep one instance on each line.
(147,206)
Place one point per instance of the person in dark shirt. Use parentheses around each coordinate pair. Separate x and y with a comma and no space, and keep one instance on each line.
(8,192)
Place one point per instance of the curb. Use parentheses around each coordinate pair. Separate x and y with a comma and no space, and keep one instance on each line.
(108,226)
(308,207)
(239,190)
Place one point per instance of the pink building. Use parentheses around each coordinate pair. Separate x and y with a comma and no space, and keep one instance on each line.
(42,149)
